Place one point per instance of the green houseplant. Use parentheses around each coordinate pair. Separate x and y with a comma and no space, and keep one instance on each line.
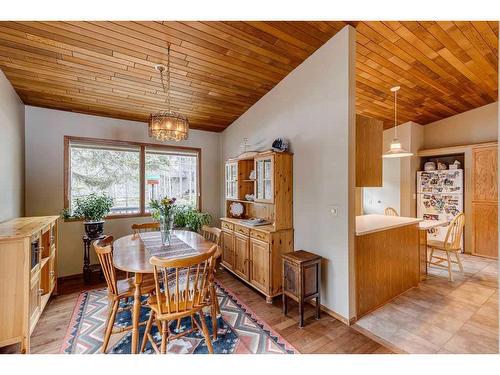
(186,216)
(92,209)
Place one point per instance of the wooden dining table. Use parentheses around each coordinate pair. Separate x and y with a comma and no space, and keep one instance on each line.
(130,255)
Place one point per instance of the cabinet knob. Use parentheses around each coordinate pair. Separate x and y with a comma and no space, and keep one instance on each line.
(52,273)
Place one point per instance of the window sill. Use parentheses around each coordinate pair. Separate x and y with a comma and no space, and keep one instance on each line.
(111,217)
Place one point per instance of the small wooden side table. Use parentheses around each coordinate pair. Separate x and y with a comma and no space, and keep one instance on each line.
(301,280)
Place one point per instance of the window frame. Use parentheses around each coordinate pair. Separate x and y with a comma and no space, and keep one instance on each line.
(142,168)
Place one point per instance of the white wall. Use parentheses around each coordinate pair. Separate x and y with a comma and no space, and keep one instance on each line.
(376,199)
(475,126)
(398,181)
(314,108)
(11,152)
(45,129)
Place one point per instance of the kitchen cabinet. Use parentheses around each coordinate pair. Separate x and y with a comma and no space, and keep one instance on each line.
(485,229)
(369,149)
(485,201)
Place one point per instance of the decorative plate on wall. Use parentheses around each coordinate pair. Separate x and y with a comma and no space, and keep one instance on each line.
(236,209)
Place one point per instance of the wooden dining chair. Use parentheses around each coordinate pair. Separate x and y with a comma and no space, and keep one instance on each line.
(185,291)
(141,228)
(145,227)
(118,290)
(450,245)
(214,235)
(389,211)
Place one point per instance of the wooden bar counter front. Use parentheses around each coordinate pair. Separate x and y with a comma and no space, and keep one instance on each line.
(387,261)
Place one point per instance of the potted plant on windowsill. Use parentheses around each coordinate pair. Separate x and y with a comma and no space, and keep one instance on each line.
(92,209)
(188,217)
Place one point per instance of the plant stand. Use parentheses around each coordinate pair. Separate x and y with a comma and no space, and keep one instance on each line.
(89,269)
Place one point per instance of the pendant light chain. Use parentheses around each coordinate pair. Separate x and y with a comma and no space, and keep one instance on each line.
(168,77)
(395,113)
(166,90)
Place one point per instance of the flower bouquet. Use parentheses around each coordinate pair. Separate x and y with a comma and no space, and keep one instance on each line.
(163,211)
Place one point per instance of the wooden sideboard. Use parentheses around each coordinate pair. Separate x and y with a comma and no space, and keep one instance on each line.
(253,253)
(28,275)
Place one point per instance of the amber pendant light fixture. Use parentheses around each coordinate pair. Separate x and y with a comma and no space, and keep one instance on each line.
(396,150)
(167,125)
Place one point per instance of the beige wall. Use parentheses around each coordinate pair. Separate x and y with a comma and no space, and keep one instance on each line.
(314,108)
(475,126)
(11,152)
(45,129)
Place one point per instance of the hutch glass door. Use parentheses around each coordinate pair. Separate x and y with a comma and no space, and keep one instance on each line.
(231,180)
(264,183)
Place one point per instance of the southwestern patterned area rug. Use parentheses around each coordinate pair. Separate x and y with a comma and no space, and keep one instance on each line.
(240,330)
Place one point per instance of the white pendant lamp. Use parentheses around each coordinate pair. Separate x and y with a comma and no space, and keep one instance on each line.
(396,150)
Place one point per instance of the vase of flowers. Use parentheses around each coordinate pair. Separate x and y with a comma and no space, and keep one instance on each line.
(163,211)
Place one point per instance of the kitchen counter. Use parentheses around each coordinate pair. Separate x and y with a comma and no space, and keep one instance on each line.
(387,259)
(367,224)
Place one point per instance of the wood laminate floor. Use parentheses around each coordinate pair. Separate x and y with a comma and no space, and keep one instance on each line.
(440,316)
(326,335)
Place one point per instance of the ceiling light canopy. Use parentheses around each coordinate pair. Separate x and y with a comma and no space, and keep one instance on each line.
(167,125)
(396,150)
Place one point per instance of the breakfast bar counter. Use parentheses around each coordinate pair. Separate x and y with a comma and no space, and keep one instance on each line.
(366,224)
(386,259)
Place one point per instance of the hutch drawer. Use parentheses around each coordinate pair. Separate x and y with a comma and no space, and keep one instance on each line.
(241,230)
(226,225)
(263,236)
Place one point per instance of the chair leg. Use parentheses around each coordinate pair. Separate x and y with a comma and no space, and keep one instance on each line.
(431,255)
(178,328)
(109,326)
(460,265)
(214,308)
(449,265)
(146,331)
(164,337)
(206,335)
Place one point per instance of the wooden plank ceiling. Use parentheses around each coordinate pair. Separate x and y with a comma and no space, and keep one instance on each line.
(220,69)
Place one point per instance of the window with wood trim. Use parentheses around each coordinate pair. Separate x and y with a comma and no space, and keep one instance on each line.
(131,173)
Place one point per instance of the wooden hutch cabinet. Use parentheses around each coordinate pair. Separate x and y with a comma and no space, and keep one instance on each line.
(253,253)
(28,275)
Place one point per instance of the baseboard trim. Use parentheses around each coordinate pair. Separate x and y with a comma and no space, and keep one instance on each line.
(378,339)
(333,314)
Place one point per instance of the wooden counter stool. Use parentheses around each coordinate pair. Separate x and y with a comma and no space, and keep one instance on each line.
(301,280)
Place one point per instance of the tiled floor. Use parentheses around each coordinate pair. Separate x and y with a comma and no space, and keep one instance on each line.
(441,316)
